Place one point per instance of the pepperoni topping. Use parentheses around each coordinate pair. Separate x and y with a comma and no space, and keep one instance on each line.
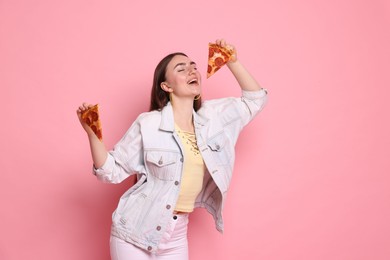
(219,62)
(94,116)
(211,52)
(88,121)
(94,128)
(209,69)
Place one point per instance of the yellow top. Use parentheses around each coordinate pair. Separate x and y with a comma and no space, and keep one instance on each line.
(193,172)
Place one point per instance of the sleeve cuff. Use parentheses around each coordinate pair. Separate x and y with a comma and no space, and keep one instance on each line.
(106,167)
(254,94)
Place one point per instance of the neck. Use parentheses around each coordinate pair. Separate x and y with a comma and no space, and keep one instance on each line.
(182,113)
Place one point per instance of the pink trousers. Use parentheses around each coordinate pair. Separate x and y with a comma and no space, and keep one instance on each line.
(173,246)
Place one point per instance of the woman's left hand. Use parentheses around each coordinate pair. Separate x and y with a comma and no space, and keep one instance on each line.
(244,78)
(224,44)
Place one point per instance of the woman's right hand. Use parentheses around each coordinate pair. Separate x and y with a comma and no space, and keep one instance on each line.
(79,111)
(98,149)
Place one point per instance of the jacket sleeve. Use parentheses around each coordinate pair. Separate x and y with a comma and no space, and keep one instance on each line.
(242,109)
(252,102)
(235,113)
(125,159)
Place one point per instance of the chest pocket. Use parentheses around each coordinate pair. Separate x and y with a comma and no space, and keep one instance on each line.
(220,147)
(161,164)
(217,143)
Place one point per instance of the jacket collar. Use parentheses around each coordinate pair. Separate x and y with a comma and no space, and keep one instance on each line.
(168,123)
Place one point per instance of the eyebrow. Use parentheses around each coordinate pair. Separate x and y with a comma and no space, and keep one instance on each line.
(182,63)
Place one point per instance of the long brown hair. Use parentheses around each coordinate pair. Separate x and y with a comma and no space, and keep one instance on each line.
(159,97)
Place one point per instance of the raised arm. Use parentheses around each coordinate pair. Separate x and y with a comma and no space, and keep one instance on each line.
(98,149)
(242,75)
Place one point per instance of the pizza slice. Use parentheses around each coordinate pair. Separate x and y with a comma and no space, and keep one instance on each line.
(91,118)
(218,56)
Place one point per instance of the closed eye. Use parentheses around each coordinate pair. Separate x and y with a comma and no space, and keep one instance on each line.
(182,66)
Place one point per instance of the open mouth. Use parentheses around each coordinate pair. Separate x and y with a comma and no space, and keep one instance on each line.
(192,82)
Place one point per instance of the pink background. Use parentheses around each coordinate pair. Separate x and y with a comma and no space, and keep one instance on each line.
(312,174)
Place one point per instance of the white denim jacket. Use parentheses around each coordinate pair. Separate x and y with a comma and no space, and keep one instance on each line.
(152,149)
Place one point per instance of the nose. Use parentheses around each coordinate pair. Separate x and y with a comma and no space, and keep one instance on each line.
(192,71)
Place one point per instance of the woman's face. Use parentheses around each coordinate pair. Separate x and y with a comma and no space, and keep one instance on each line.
(182,77)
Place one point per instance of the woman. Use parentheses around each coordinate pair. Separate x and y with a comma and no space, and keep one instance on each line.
(183,154)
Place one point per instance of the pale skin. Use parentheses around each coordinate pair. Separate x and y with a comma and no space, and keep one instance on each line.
(183,82)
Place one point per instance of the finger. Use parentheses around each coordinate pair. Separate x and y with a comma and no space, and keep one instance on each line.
(231,47)
(79,113)
(81,108)
(223,43)
(86,106)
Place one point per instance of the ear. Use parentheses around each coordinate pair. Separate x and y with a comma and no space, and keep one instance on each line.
(164,85)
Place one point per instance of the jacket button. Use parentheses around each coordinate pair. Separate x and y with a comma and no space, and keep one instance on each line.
(218,147)
(149,248)
(160,162)
(158,228)
(168,206)
(176,183)
(175,217)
